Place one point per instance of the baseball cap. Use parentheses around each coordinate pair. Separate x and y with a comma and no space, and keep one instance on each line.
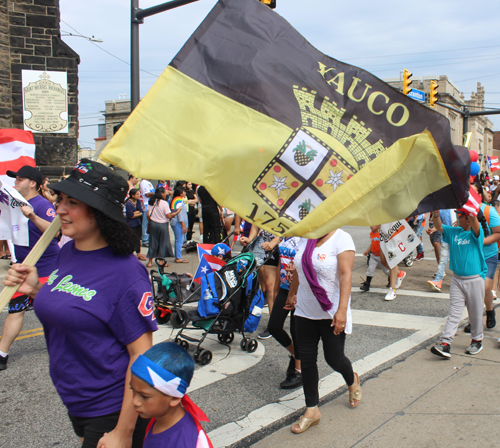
(496,178)
(29,172)
(221,249)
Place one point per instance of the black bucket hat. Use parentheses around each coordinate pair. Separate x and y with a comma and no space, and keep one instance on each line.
(28,172)
(97,186)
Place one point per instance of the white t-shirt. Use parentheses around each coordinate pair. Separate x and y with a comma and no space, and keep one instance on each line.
(145,187)
(324,260)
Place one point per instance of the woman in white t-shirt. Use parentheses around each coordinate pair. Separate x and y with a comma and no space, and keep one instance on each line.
(320,293)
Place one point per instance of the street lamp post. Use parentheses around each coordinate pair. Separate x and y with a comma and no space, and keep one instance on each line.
(137,17)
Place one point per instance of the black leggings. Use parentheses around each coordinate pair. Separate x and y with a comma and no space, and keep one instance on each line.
(277,322)
(308,333)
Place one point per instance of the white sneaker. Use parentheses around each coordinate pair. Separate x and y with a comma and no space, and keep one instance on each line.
(494,294)
(401,276)
(391,295)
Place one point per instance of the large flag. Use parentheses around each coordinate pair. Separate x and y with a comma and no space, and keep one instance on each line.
(17,148)
(13,223)
(290,139)
(493,163)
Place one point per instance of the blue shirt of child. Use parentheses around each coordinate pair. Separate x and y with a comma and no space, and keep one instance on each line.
(183,434)
(466,251)
(491,250)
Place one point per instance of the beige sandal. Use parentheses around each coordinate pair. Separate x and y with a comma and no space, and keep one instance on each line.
(304,423)
(356,394)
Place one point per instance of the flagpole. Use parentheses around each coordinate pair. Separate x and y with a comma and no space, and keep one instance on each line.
(32,258)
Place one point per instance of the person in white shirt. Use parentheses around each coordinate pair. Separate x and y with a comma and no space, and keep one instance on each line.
(147,191)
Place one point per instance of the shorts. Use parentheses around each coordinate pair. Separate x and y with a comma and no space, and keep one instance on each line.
(492,263)
(273,258)
(20,302)
(436,237)
(227,213)
(91,429)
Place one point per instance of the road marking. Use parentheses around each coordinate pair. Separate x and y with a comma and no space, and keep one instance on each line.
(427,327)
(34,332)
(406,292)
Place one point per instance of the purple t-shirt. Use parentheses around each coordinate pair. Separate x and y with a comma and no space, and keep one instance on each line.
(93,304)
(47,261)
(183,434)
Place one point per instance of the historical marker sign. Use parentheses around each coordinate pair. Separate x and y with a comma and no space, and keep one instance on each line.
(45,101)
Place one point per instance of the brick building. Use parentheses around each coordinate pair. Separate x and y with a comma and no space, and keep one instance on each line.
(30,39)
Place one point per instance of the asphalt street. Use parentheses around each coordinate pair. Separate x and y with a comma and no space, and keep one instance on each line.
(239,391)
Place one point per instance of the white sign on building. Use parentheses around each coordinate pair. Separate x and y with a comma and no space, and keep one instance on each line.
(45,101)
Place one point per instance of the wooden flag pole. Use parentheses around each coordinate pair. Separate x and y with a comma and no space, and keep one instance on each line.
(32,257)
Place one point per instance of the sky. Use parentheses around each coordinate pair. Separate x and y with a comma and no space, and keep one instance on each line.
(456,38)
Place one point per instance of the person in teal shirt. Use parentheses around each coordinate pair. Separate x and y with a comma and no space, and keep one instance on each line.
(467,285)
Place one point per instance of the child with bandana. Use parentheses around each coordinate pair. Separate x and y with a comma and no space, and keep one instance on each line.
(159,382)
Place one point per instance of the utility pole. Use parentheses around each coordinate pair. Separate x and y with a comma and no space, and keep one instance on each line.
(466,114)
(137,18)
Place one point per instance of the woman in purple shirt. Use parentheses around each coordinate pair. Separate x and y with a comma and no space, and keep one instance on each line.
(96,308)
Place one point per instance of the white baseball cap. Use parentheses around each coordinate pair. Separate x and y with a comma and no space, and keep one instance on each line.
(496,178)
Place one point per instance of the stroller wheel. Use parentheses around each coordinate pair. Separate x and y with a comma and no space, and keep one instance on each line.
(179,318)
(252,345)
(205,357)
(243,344)
(408,261)
(184,344)
(162,315)
(226,338)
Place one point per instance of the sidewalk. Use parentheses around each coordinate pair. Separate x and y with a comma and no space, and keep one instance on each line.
(424,401)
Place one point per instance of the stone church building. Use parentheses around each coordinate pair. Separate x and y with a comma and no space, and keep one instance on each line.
(30,39)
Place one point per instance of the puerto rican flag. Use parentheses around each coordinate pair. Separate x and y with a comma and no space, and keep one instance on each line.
(208,264)
(17,148)
(493,163)
(473,204)
(204,249)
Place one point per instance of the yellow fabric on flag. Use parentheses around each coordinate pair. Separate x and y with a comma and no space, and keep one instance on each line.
(185,130)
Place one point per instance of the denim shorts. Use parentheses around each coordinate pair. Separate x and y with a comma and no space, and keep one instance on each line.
(492,266)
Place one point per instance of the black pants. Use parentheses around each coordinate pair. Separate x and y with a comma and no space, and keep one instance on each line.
(93,428)
(212,226)
(277,322)
(308,333)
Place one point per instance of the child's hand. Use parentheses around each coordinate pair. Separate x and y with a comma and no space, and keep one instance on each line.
(366,252)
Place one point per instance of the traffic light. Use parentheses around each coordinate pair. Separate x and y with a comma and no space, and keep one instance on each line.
(270,3)
(406,82)
(434,96)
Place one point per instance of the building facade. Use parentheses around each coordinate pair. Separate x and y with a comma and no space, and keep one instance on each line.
(30,39)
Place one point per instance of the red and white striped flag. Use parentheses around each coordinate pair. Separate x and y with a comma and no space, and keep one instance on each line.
(473,204)
(17,148)
(493,163)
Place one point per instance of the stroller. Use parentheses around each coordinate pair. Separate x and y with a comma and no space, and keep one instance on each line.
(170,292)
(224,307)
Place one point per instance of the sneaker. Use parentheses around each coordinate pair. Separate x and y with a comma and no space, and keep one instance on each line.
(391,295)
(435,285)
(419,256)
(467,328)
(292,381)
(3,362)
(401,276)
(494,294)
(442,350)
(264,335)
(474,348)
(364,287)
(490,319)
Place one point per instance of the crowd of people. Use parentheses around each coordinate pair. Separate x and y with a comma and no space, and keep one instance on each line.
(100,345)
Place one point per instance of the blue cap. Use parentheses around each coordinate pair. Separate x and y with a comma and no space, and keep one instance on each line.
(220,249)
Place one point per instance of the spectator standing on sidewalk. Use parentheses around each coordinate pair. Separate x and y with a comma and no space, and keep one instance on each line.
(40,213)
(444,254)
(467,285)
(147,191)
(96,308)
(435,237)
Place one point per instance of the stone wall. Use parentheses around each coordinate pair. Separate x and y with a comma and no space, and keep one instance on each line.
(30,40)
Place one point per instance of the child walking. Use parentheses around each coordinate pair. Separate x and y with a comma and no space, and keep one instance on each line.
(159,382)
(467,285)
(373,252)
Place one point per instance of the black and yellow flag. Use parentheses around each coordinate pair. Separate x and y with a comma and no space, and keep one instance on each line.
(290,139)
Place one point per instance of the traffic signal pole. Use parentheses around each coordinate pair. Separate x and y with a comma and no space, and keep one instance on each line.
(137,18)
(466,114)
